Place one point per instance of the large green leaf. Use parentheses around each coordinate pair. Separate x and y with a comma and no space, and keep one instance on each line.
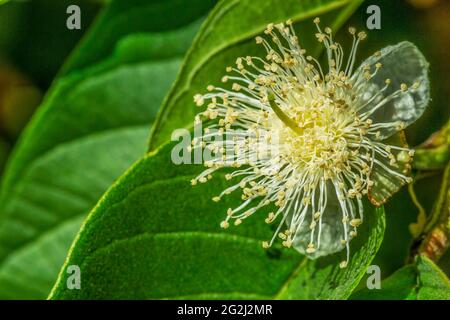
(155,236)
(422,280)
(229,33)
(92,125)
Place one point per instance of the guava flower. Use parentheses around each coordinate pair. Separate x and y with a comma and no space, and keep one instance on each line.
(309,145)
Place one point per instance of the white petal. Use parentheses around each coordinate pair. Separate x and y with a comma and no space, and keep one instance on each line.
(387,183)
(401,63)
(332,231)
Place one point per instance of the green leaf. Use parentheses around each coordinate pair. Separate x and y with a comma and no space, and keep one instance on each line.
(229,33)
(92,125)
(433,283)
(4,152)
(422,280)
(126,17)
(400,285)
(154,236)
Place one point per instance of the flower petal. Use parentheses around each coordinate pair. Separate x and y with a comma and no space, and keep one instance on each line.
(331,233)
(401,64)
(387,183)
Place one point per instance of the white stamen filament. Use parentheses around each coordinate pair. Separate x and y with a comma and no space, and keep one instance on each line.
(304,136)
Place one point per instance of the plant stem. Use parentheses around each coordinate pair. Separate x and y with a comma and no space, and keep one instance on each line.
(436,235)
(434,239)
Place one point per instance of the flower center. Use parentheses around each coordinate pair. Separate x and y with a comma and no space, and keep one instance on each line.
(314,136)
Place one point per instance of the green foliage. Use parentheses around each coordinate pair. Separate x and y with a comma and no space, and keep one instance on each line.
(4,150)
(92,125)
(34,37)
(126,17)
(422,280)
(155,236)
(433,284)
(152,235)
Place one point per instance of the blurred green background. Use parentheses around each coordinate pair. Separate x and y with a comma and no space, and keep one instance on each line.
(34,43)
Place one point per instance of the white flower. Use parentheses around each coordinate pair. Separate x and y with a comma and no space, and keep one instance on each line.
(313,144)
